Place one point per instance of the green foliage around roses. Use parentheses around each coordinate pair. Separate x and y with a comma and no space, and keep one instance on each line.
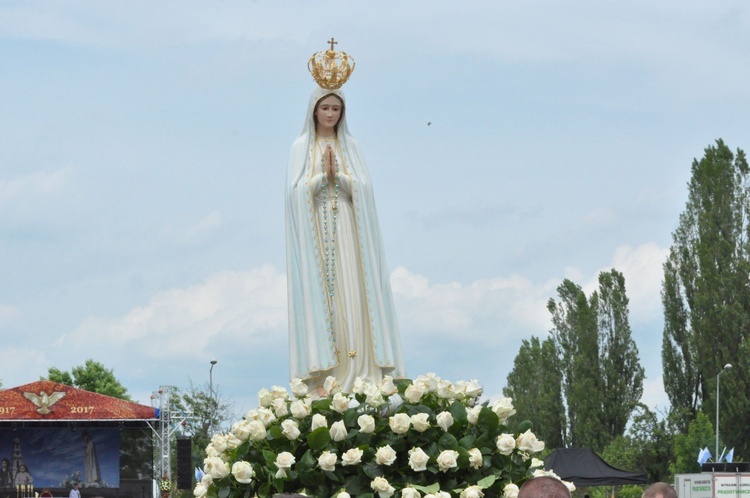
(414,438)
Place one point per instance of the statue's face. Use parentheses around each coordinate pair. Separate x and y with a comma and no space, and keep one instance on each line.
(328,112)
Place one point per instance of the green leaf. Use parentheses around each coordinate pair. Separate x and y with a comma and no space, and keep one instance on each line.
(447,442)
(431,489)
(486,482)
(224,492)
(467,441)
(318,439)
(524,426)
(458,410)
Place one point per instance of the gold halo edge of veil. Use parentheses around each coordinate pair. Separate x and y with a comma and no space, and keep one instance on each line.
(329,68)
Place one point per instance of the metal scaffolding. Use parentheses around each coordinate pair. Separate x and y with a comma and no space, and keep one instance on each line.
(170,421)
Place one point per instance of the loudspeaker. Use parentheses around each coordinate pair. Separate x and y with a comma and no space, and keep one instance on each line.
(184,463)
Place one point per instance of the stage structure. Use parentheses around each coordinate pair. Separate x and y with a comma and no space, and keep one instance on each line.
(52,435)
(170,421)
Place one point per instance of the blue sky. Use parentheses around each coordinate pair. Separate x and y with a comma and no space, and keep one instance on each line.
(143,148)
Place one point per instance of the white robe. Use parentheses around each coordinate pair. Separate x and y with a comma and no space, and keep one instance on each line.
(353,333)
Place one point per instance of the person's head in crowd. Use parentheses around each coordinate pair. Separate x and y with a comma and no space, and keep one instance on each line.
(659,490)
(544,487)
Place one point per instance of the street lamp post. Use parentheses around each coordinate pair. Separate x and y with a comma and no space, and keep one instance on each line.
(726,367)
(211,396)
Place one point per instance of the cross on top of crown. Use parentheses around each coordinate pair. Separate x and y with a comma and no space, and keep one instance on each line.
(332,42)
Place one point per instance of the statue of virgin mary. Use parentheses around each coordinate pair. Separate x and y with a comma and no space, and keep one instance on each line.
(342,321)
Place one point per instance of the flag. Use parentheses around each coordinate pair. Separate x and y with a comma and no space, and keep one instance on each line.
(703,456)
(722,455)
(730,456)
(198,474)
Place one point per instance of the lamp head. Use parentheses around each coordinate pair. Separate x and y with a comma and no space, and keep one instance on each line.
(214,362)
(728,366)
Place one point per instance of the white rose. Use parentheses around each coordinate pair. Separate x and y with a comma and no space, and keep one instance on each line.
(217,467)
(445,389)
(266,416)
(337,431)
(219,442)
(252,415)
(284,462)
(374,396)
(279,392)
(472,492)
(382,487)
(429,381)
(446,460)
(475,458)
(442,494)
(299,388)
(414,392)
(473,389)
(331,385)
(200,490)
(528,442)
(387,387)
(318,421)
(290,429)
(399,423)
(241,430)
(510,491)
(420,421)
(257,430)
(503,408)
(506,443)
(444,420)
(211,451)
(300,409)
(536,463)
(206,480)
(339,403)
(385,455)
(418,459)
(352,457)
(459,390)
(366,424)
(343,494)
(280,407)
(327,461)
(265,398)
(243,472)
(357,385)
(233,441)
(410,493)
(571,487)
(472,414)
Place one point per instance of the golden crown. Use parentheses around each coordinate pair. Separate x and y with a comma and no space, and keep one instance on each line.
(330,69)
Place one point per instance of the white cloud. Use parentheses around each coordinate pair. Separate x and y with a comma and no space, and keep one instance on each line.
(514,304)
(18,362)
(233,308)
(33,185)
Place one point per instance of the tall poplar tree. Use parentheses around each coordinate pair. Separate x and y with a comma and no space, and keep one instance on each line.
(536,370)
(602,375)
(706,296)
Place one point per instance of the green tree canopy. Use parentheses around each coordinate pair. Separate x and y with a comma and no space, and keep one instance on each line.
(536,369)
(602,375)
(92,376)
(706,296)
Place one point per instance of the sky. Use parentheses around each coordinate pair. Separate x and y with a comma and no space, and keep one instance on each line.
(143,151)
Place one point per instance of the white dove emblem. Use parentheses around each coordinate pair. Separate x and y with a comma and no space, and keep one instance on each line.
(44,400)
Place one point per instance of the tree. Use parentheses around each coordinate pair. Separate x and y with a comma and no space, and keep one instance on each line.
(706,296)
(93,377)
(602,375)
(647,445)
(700,434)
(536,369)
(206,412)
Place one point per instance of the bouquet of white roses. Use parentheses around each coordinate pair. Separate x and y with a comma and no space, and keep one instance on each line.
(422,438)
